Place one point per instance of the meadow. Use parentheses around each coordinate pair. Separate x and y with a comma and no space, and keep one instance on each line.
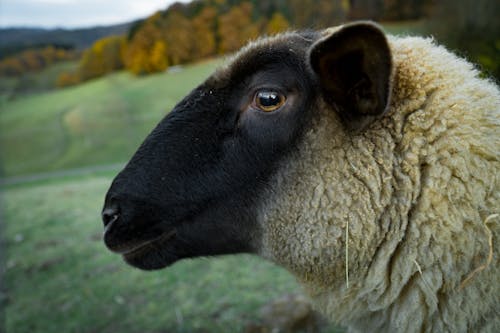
(96,123)
(59,276)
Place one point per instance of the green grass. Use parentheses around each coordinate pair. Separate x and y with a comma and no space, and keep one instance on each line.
(60,277)
(99,122)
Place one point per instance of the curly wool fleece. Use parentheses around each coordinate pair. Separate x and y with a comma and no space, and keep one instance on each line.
(385,227)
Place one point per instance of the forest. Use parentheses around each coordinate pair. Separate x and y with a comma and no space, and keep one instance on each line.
(201,29)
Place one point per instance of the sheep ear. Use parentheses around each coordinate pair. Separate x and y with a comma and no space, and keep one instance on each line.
(354,67)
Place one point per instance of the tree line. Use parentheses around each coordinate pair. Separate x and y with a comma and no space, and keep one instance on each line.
(34,60)
(181,34)
(205,28)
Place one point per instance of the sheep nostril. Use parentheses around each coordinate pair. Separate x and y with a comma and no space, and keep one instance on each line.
(110,215)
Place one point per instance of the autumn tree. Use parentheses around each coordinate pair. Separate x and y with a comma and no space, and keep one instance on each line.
(158,59)
(11,66)
(104,56)
(179,33)
(329,13)
(146,51)
(113,49)
(302,12)
(138,49)
(204,33)
(398,10)
(67,79)
(33,60)
(366,9)
(235,27)
(276,24)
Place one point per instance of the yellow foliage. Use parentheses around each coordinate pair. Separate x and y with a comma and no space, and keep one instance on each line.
(147,51)
(158,56)
(67,79)
(204,35)
(104,56)
(179,32)
(277,24)
(33,60)
(236,27)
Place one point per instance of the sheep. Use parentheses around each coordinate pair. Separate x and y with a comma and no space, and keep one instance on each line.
(365,164)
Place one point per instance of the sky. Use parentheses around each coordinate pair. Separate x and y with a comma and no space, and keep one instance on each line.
(76,13)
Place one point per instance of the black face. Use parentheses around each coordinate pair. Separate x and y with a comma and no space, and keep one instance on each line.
(193,186)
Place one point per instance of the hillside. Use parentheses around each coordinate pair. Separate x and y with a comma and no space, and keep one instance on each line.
(98,122)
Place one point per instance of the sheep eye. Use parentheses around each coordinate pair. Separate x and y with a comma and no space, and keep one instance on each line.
(268,101)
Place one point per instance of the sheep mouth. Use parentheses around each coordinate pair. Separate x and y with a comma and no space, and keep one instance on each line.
(148,246)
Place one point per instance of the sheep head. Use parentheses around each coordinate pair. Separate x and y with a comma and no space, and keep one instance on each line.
(211,178)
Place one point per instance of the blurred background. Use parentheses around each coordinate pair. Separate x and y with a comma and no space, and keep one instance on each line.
(81,84)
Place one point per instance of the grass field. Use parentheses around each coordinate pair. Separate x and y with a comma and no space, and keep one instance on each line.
(99,122)
(60,277)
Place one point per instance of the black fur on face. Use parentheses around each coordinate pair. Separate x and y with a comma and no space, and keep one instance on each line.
(193,186)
